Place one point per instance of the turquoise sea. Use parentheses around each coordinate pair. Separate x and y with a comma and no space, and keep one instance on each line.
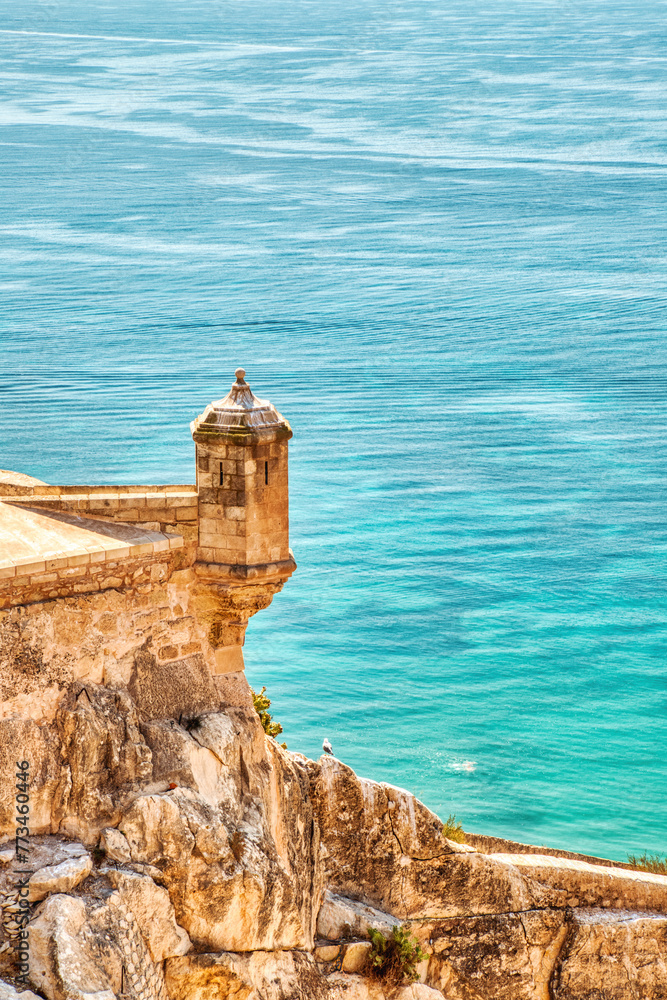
(434,234)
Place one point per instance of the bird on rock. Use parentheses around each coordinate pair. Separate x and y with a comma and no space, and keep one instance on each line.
(326,746)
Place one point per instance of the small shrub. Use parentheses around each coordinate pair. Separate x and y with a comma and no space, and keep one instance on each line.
(453,830)
(649,863)
(394,959)
(262,705)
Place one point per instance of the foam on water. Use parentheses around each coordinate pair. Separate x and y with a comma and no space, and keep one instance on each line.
(433,234)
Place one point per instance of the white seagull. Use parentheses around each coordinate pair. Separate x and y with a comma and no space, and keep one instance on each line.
(326,746)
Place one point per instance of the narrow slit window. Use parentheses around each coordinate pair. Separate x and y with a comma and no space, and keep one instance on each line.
(221,475)
(266,473)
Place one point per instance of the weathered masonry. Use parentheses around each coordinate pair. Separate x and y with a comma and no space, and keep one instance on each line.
(205,558)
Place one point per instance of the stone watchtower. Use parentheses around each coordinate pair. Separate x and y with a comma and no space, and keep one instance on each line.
(243,554)
(176,570)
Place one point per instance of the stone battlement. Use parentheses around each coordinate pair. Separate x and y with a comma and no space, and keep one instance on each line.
(230,530)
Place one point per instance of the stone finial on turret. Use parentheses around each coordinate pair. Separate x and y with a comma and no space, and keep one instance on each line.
(240,418)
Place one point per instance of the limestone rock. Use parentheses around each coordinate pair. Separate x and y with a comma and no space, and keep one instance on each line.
(625,954)
(362,856)
(59,878)
(106,755)
(24,739)
(327,952)
(156,831)
(93,949)
(417,991)
(355,987)
(225,853)
(115,845)
(512,954)
(270,976)
(355,957)
(8,992)
(60,965)
(152,909)
(340,917)
(258,975)
(181,687)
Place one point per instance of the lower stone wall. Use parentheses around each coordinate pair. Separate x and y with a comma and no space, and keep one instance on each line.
(89,573)
(496,845)
(132,623)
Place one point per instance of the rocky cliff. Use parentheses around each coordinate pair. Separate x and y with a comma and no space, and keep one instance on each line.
(178,852)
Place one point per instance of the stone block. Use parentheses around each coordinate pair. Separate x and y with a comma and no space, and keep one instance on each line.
(327,953)
(145,549)
(355,957)
(236,544)
(81,560)
(132,514)
(103,503)
(132,502)
(85,588)
(209,526)
(229,659)
(59,878)
(186,514)
(115,845)
(71,571)
(235,513)
(176,500)
(190,647)
(210,543)
(29,569)
(7,572)
(210,510)
(340,917)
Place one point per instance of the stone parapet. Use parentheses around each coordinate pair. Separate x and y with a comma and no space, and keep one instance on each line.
(157,506)
(134,566)
(48,490)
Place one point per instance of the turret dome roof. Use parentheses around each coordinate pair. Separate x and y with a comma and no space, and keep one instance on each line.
(240,418)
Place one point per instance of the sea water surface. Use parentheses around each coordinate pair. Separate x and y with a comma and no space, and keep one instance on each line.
(434,235)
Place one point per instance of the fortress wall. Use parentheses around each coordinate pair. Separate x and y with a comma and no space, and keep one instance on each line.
(130,567)
(144,635)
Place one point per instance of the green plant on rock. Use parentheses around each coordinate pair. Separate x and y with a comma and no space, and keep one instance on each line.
(262,705)
(649,863)
(394,958)
(453,830)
